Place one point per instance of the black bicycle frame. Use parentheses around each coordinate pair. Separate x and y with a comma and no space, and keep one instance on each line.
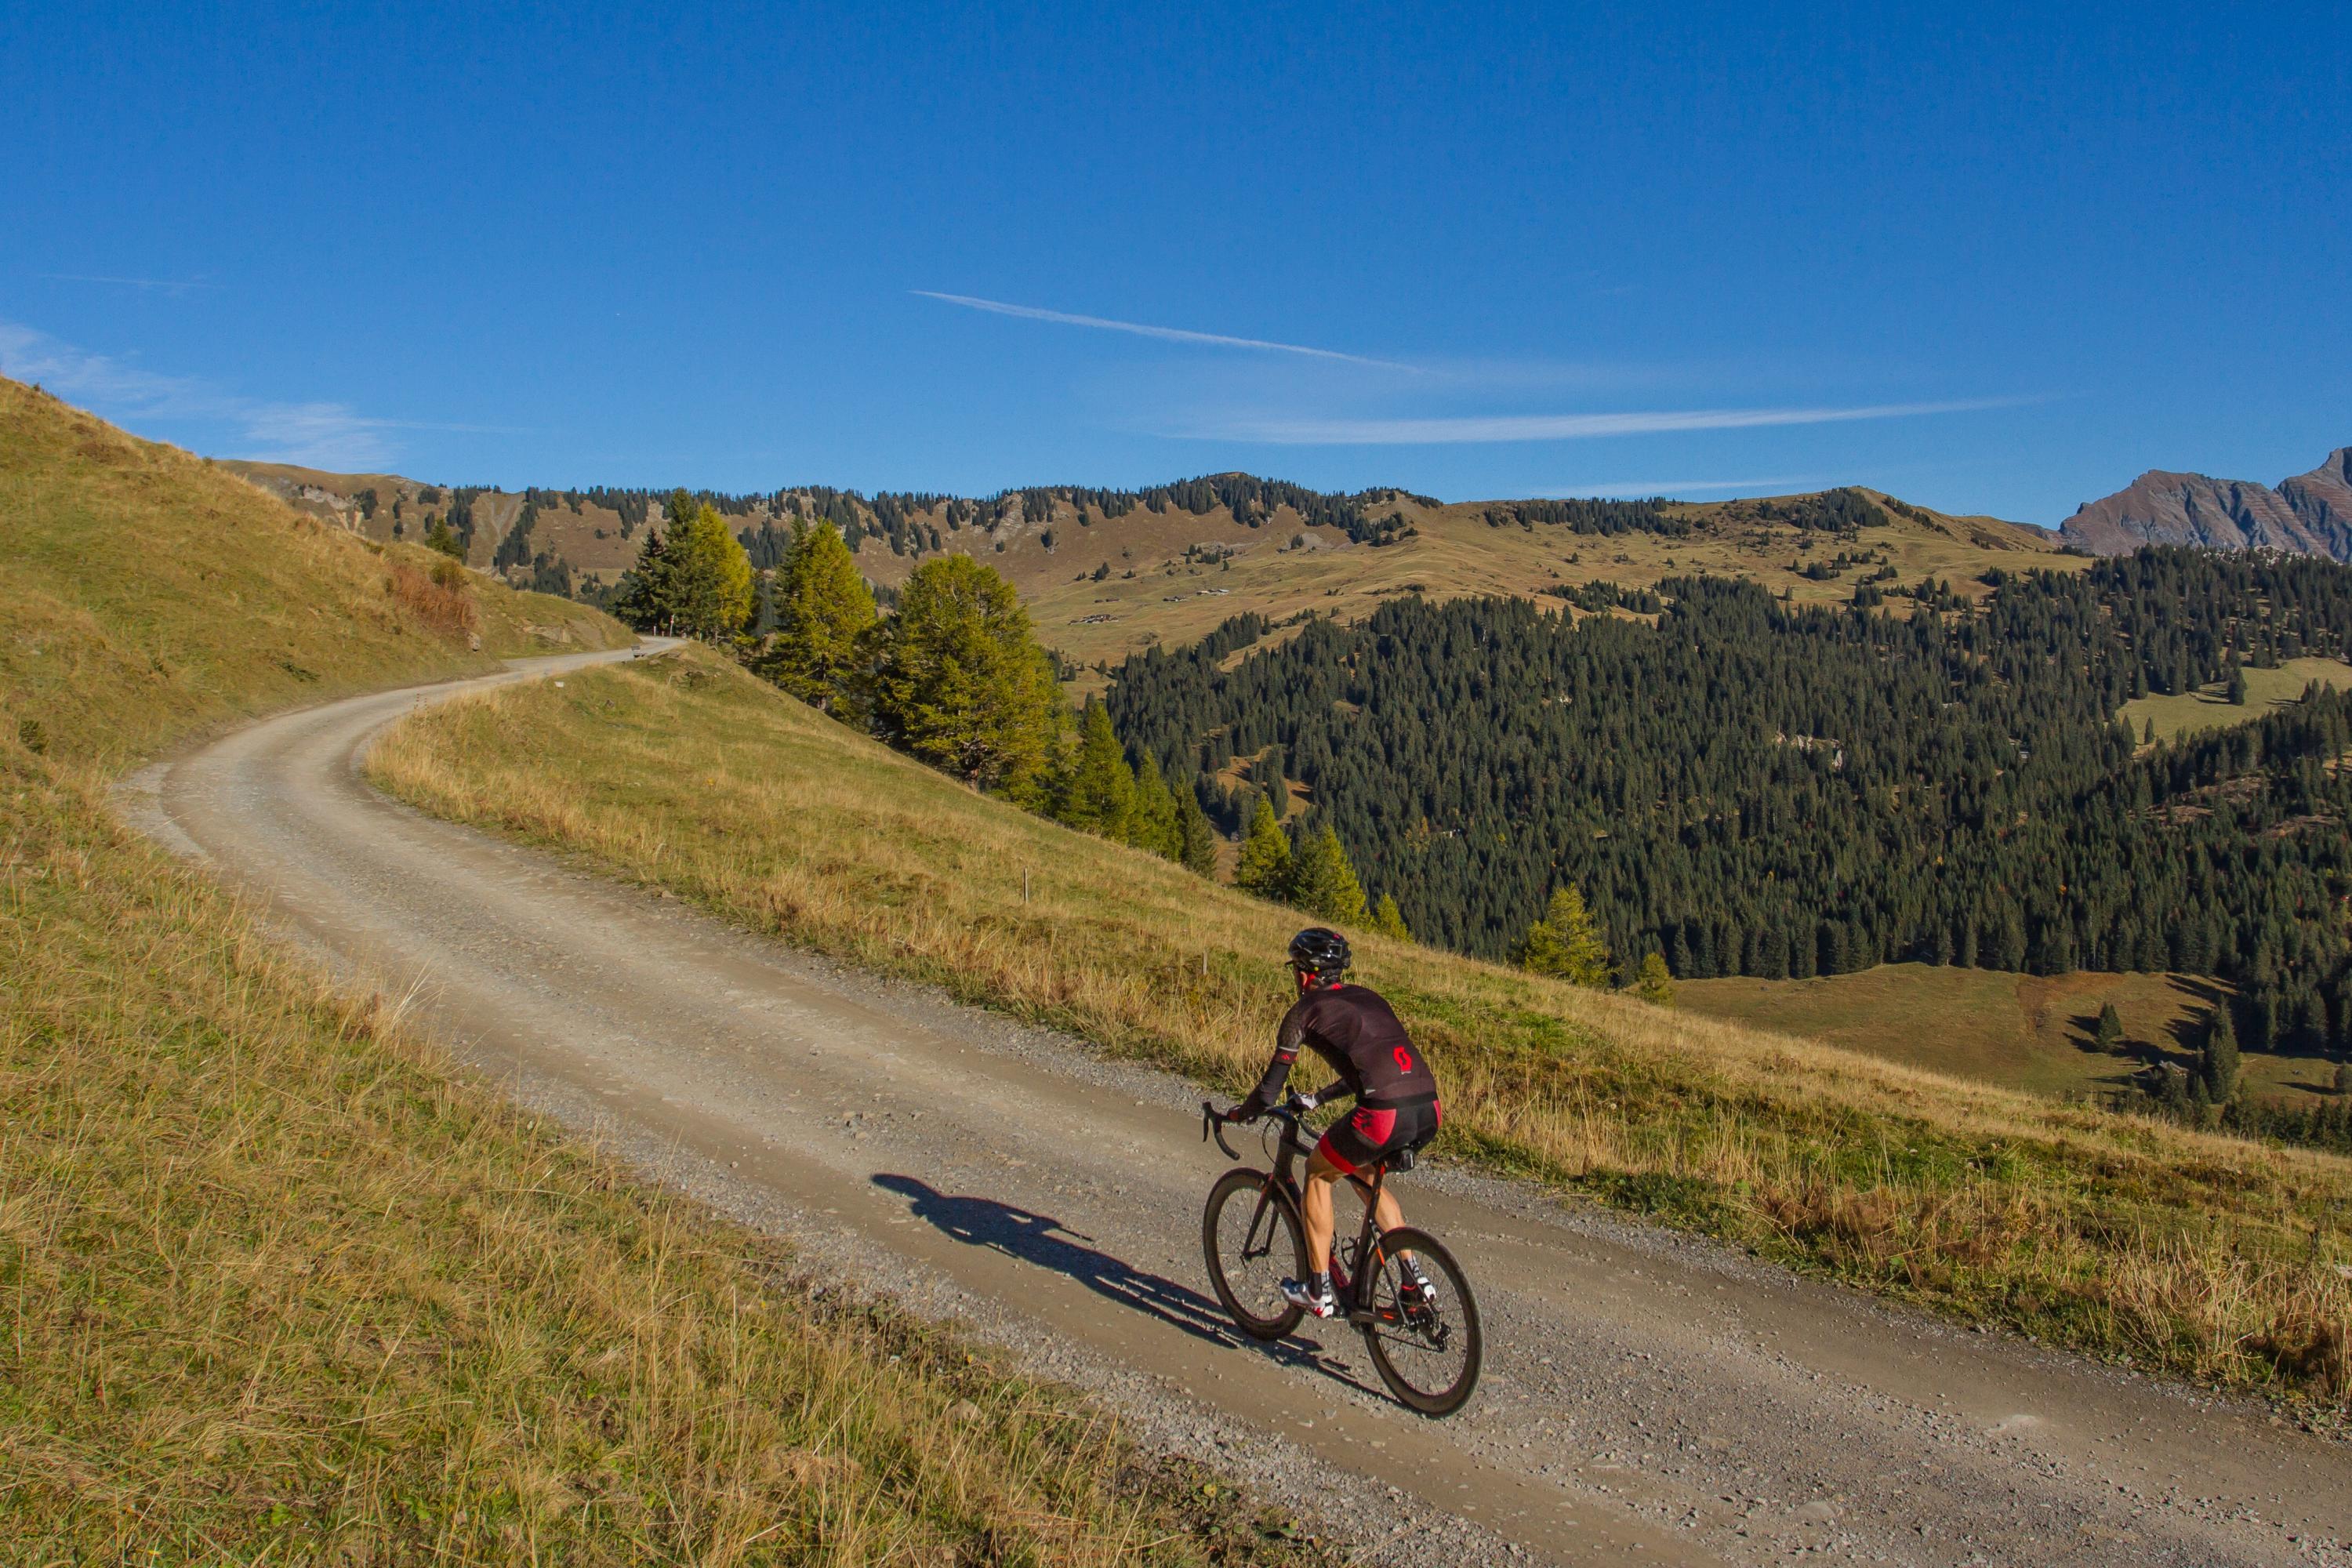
(1292,1149)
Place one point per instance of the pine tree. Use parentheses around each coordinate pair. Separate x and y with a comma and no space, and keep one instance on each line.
(1154,823)
(1655,983)
(1265,866)
(440,536)
(1565,945)
(2110,1032)
(1389,920)
(1322,882)
(1098,794)
(2218,1065)
(2237,682)
(1197,841)
(643,600)
(825,620)
(961,682)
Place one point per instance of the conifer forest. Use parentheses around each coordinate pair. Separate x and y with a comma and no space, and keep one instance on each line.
(1752,788)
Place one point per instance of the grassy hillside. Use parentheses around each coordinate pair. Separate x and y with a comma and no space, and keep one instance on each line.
(2032,1032)
(1453,550)
(283,1289)
(2210,707)
(2132,1239)
(147,595)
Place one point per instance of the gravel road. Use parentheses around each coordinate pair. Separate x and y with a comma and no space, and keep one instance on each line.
(1648,1398)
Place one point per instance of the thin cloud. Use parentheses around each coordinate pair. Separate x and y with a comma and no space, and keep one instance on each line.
(1451,430)
(1141,329)
(309,434)
(168,285)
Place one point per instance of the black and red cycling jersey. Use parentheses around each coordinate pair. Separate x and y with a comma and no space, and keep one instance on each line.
(1352,1028)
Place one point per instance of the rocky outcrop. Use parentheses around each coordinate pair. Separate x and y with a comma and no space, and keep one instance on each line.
(2310,514)
(2323,499)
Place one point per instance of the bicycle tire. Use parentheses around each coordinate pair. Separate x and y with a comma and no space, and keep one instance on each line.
(1386,1326)
(1249,1186)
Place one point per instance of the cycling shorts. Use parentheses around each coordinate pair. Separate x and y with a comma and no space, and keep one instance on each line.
(1375,1132)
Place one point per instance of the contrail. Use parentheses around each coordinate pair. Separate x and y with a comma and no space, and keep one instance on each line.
(1141,329)
(1283,432)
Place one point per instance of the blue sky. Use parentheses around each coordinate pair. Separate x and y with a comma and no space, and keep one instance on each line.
(1991,261)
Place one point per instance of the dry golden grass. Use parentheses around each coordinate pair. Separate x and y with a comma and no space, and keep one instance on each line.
(278,1287)
(144,595)
(1455,553)
(274,1285)
(2033,1032)
(2131,1240)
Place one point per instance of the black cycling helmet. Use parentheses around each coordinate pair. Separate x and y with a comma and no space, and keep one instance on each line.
(1320,951)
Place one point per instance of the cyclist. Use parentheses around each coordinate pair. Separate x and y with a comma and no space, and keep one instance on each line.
(1396,1097)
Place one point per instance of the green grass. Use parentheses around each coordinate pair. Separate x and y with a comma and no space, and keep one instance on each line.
(2129,1238)
(276,1285)
(2210,707)
(2020,1031)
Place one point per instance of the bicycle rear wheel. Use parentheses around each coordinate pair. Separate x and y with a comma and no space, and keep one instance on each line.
(1427,1350)
(1251,1234)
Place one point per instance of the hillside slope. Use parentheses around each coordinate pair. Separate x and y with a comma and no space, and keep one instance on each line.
(1106,573)
(2117,1236)
(148,594)
(285,1290)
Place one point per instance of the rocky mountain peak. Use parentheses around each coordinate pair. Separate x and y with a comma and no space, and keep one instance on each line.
(2310,514)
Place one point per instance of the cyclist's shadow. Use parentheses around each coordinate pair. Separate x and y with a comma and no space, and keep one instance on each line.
(1044,1241)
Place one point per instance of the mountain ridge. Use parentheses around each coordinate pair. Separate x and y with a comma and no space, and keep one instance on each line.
(2306,514)
(1107,572)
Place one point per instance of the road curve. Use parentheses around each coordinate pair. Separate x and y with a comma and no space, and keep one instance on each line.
(1648,1398)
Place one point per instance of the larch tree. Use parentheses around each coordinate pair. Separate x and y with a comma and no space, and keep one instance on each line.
(1155,824)
(825,620)
(1265,866)
(1388,920)
(1322,882)
(1655,983)
(1097,794)
(961,682)
(1566,944)
(709,586)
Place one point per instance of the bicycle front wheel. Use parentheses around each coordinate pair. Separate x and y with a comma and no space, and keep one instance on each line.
(1425,1341)
(1251,1234)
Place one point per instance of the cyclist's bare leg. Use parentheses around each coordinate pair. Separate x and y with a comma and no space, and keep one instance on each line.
(1315,1207)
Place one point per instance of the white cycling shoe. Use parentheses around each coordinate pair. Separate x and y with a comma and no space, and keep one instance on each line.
(1302,1294)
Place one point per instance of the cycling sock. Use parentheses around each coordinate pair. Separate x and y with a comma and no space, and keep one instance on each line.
(1319,1283)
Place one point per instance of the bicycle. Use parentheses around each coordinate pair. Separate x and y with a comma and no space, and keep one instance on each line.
(1427,1347)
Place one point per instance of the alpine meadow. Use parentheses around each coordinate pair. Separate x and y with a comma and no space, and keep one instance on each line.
(1078,786)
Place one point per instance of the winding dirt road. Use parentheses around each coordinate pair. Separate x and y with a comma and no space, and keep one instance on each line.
(1648,1398)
